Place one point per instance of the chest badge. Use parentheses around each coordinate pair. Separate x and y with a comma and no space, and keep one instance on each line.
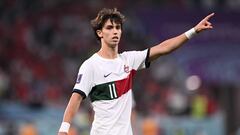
(126,68)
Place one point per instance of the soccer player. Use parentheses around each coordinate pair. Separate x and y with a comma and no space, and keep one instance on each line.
(106,77)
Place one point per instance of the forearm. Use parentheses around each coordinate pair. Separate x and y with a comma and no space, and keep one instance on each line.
(71,108)
(167,46)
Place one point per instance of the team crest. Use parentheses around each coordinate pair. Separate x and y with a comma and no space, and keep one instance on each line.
(126,68)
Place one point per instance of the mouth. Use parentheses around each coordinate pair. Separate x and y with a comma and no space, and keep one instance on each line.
(115,37)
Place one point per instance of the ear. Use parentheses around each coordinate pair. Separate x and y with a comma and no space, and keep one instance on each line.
(99,33)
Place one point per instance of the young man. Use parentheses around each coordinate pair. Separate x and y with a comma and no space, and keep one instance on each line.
(106,77)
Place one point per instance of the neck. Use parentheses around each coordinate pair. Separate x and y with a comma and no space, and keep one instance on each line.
(108,52)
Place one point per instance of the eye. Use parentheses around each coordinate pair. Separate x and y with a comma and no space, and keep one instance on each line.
(109,27)
(118,27)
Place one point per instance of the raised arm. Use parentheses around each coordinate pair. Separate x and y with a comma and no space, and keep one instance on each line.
(70,112)
(172,44)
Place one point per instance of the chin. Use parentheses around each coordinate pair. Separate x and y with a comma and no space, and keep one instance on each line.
(114,44)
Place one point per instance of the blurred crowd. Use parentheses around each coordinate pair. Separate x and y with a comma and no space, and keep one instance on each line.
(43,43)
(42,46)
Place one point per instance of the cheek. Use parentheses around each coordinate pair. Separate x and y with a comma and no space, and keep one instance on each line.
(108,35)
(120,33)
(105,34)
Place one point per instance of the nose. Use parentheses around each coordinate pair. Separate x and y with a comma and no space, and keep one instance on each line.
(115,31)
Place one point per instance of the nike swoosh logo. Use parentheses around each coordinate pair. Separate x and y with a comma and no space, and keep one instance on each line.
(107,75)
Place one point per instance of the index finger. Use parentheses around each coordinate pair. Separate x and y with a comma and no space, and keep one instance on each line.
(209,16)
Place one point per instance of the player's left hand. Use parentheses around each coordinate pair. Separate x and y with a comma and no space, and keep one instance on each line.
(204,24)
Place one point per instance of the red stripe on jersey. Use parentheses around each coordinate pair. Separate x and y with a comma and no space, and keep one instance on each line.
(124,85)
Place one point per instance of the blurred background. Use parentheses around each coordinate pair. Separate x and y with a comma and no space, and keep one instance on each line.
(192,91)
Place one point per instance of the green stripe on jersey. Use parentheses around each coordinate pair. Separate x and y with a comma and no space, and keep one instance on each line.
(106,91)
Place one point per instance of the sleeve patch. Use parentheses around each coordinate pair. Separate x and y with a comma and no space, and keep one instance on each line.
(79,77)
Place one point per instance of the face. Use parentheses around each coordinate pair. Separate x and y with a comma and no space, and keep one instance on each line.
(110,33)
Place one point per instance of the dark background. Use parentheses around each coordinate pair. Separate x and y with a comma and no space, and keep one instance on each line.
(192,91)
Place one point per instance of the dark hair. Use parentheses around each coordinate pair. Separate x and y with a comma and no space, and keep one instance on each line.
(103,15)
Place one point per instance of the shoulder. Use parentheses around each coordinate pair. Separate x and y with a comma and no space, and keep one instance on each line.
(132,53)
(127,53)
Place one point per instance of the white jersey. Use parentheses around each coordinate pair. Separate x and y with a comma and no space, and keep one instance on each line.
(108,84)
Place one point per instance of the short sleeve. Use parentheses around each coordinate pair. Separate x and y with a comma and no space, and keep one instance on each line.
(84,81)
(138,59)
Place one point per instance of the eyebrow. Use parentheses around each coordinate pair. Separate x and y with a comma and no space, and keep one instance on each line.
(111,25)
(108,25)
